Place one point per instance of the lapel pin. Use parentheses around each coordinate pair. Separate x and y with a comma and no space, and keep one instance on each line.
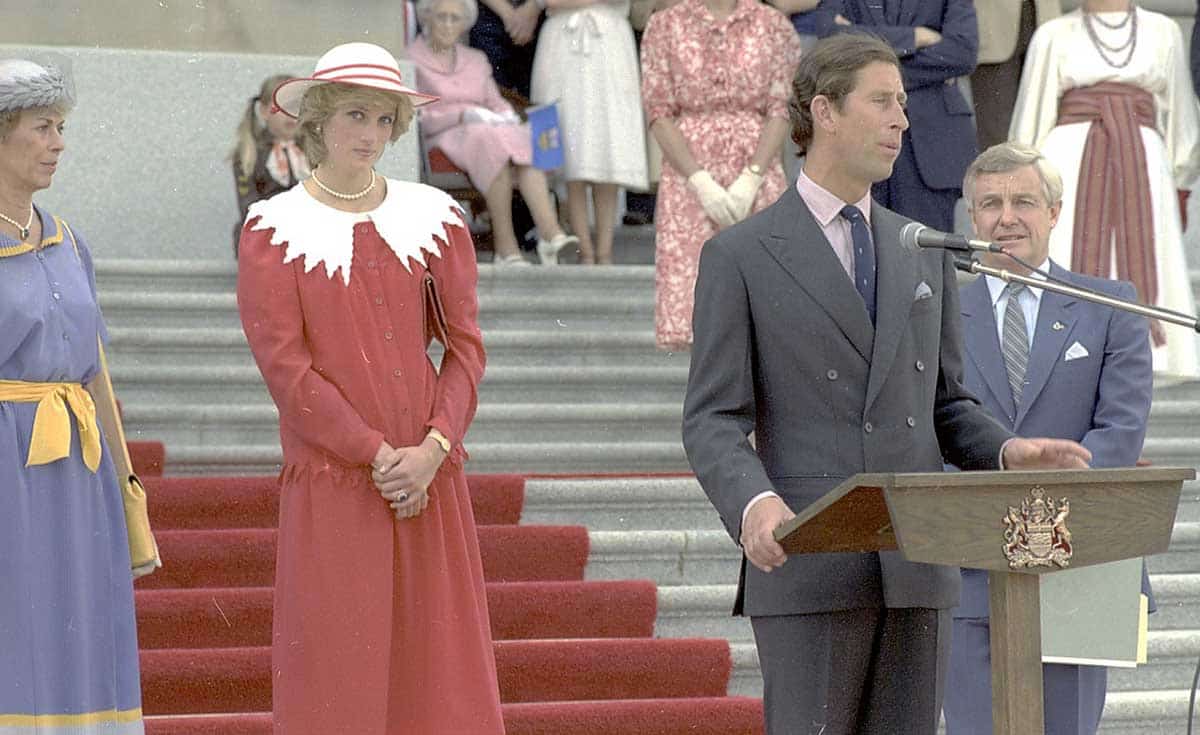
(1058,326)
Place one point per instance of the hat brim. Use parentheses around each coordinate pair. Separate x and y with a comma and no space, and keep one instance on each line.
(288,95)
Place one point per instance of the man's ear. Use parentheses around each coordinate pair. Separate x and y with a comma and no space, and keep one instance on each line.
(821,109)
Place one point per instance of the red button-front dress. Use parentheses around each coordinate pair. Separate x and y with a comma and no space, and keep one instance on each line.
(381,625)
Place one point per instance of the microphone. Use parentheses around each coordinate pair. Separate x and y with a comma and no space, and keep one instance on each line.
(915,235)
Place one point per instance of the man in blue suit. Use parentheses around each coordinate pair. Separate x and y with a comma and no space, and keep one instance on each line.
(1046,365)
(937,41)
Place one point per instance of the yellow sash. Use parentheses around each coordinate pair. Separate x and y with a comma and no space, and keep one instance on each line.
(51,438)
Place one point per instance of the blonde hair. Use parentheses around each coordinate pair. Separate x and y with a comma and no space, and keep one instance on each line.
(1005,157)
(251,128)
(320,102)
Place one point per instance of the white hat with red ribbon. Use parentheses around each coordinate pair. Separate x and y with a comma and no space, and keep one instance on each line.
(359,64)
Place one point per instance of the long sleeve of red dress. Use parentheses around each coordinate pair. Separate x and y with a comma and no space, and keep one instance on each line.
(272,318)
(456,395)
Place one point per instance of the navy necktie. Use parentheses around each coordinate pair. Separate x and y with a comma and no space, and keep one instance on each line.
(864,257)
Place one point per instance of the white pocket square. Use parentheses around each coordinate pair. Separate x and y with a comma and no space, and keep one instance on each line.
(1075,352)
(923,291)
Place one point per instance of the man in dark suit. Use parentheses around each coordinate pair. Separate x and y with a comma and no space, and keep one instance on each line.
(835,375)
(1046,364)
(937,41)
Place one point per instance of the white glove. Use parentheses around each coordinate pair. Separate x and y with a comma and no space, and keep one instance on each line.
(482,115)
(717,203)
(743,191)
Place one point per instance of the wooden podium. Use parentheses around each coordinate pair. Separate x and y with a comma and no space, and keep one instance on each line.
(1016,525)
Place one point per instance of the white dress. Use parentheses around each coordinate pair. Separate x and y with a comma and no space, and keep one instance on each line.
(1061,57)
(586,61)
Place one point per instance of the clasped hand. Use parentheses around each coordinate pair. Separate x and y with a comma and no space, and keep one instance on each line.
(726,206)
(403,475)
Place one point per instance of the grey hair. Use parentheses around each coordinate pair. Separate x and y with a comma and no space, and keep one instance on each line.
(470,13)
(1004,157)
(25,85)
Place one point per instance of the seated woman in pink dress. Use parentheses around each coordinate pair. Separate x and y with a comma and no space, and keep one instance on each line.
(478,130)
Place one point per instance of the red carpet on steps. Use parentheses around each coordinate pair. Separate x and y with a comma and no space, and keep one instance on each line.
(147,458)
(573,657)
(237,617)
(194,680)
(245,557)
(253,502)
(691,716)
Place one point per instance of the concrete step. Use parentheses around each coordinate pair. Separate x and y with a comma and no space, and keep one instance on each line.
(207,276)
(700,611)
(1178,598)
(167,275)
(1174,418)
(1177,451)
(668,558)
(1162,712)
(620,503)
(242,384)
(1171,657)
(512,456)
(495,423)
(1184,553)
(498,308)
(705,611)
(213,346)
(746,678)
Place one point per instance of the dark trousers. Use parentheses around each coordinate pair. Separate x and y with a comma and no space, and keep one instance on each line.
(512,65)
(1073,696)
(853,672)
(994,86)
(905,192)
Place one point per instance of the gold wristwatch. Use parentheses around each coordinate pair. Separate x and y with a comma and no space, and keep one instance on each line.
(440,438)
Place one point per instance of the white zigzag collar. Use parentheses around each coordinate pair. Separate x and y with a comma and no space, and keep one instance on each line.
(408,219)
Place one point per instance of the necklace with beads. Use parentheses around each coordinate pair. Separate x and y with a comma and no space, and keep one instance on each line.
(1103,48)
(340,195)
(24,230)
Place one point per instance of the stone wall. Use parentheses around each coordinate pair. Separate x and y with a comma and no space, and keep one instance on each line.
(146,172)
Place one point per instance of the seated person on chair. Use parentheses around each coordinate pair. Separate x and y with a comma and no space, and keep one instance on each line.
(478,130)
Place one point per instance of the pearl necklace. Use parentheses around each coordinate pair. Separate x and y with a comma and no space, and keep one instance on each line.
(23,230)
(340,195)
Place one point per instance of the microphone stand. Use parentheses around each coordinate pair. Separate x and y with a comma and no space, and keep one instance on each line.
(970,265)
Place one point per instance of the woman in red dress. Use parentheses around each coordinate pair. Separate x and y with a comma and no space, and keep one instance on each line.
(381,621)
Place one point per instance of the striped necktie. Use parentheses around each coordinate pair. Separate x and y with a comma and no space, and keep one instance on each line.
(1016,341)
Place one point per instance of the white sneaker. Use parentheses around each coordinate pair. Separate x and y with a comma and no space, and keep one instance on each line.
(513,259)
(548,250)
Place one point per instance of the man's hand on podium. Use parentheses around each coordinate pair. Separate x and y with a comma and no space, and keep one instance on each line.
(758,532)
(1044,454)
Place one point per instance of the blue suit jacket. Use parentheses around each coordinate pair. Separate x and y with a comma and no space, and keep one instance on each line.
(942,130)
(1101,400)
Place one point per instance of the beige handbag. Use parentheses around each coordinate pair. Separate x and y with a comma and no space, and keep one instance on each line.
(143,549)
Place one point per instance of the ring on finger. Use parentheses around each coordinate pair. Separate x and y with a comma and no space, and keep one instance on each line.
(401,496)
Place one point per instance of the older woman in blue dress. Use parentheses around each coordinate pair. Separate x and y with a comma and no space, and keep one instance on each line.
(68,644)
